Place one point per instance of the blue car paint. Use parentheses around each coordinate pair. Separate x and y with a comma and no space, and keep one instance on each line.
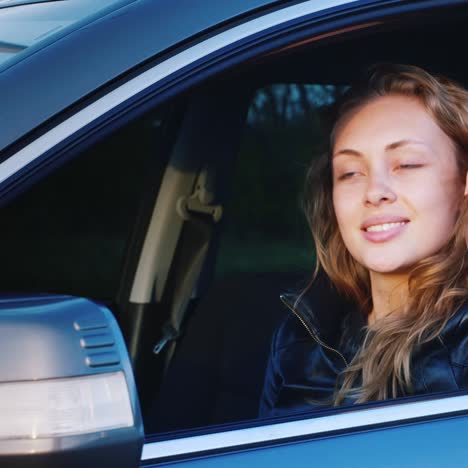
(434,444)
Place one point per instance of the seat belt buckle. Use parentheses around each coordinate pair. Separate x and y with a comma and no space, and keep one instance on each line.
(169,333)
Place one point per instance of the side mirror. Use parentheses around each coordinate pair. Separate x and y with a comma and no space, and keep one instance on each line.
(67,393)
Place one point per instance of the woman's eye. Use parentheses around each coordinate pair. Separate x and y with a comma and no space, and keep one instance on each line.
(409,166)
(347,175)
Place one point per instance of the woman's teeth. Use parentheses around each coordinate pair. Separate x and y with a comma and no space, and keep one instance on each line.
(384,227)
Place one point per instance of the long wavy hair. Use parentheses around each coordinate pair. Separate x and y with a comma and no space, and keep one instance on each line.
(438,285)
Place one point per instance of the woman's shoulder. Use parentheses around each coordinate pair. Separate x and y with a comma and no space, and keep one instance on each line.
(455,336)
(458,323)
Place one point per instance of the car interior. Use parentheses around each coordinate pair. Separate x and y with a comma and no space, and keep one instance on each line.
(192,243)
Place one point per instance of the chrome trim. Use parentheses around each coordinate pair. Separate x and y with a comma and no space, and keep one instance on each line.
(357,418)
(152,76)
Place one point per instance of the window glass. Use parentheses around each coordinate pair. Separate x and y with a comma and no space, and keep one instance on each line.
(265,229)
(68,233)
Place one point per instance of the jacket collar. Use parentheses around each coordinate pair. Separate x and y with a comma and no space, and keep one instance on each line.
(335,320)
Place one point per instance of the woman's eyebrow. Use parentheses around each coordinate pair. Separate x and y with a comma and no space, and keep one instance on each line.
(347,151)
(389,147)
(400,143)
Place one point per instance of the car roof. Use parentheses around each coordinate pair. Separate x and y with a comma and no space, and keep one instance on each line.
(39,84)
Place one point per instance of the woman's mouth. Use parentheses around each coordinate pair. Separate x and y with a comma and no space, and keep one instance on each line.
(384,227)
(383,231)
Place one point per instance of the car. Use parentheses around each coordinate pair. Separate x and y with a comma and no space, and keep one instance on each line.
(152,157)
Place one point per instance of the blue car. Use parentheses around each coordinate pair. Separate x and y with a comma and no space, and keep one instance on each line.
(152,156)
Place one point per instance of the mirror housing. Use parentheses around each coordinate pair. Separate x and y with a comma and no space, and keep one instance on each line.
(67,392)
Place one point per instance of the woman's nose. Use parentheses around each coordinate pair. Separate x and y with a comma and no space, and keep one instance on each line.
(379,189)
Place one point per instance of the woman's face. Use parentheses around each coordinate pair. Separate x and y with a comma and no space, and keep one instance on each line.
(396,186)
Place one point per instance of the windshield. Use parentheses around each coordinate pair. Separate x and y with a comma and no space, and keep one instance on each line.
(27,23)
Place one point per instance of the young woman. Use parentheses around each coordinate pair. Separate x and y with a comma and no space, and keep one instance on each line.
(388,210)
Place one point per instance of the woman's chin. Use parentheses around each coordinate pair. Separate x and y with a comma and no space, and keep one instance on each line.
(387,266)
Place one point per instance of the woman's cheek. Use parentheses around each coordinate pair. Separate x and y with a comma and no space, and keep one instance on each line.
(345,216)
(347,199)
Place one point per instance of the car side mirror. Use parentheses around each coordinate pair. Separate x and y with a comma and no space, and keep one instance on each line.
(67,392)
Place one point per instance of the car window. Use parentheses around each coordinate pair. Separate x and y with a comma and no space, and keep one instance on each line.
(264,250)
(263,247)
(68,233)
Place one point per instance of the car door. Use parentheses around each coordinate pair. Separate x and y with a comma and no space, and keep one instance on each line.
(182,98)
(387,436)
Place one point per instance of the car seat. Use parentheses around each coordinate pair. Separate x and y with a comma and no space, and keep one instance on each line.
(217,371)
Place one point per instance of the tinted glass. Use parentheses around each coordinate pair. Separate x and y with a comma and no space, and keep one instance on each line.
(265,227)
(69,232)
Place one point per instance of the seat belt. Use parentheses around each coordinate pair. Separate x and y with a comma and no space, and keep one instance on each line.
(199,215)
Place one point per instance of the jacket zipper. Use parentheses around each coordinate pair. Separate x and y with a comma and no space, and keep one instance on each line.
(311,332)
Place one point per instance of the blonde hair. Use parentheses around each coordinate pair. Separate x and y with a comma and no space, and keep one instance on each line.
(438,285)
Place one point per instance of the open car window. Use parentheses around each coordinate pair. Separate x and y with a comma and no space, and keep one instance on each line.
(263,246)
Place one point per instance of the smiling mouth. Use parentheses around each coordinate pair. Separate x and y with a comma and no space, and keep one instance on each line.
(384,227)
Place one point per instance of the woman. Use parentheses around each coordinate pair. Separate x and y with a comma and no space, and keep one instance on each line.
(388,210)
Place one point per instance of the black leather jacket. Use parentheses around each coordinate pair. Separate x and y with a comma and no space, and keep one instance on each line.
(310,350)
